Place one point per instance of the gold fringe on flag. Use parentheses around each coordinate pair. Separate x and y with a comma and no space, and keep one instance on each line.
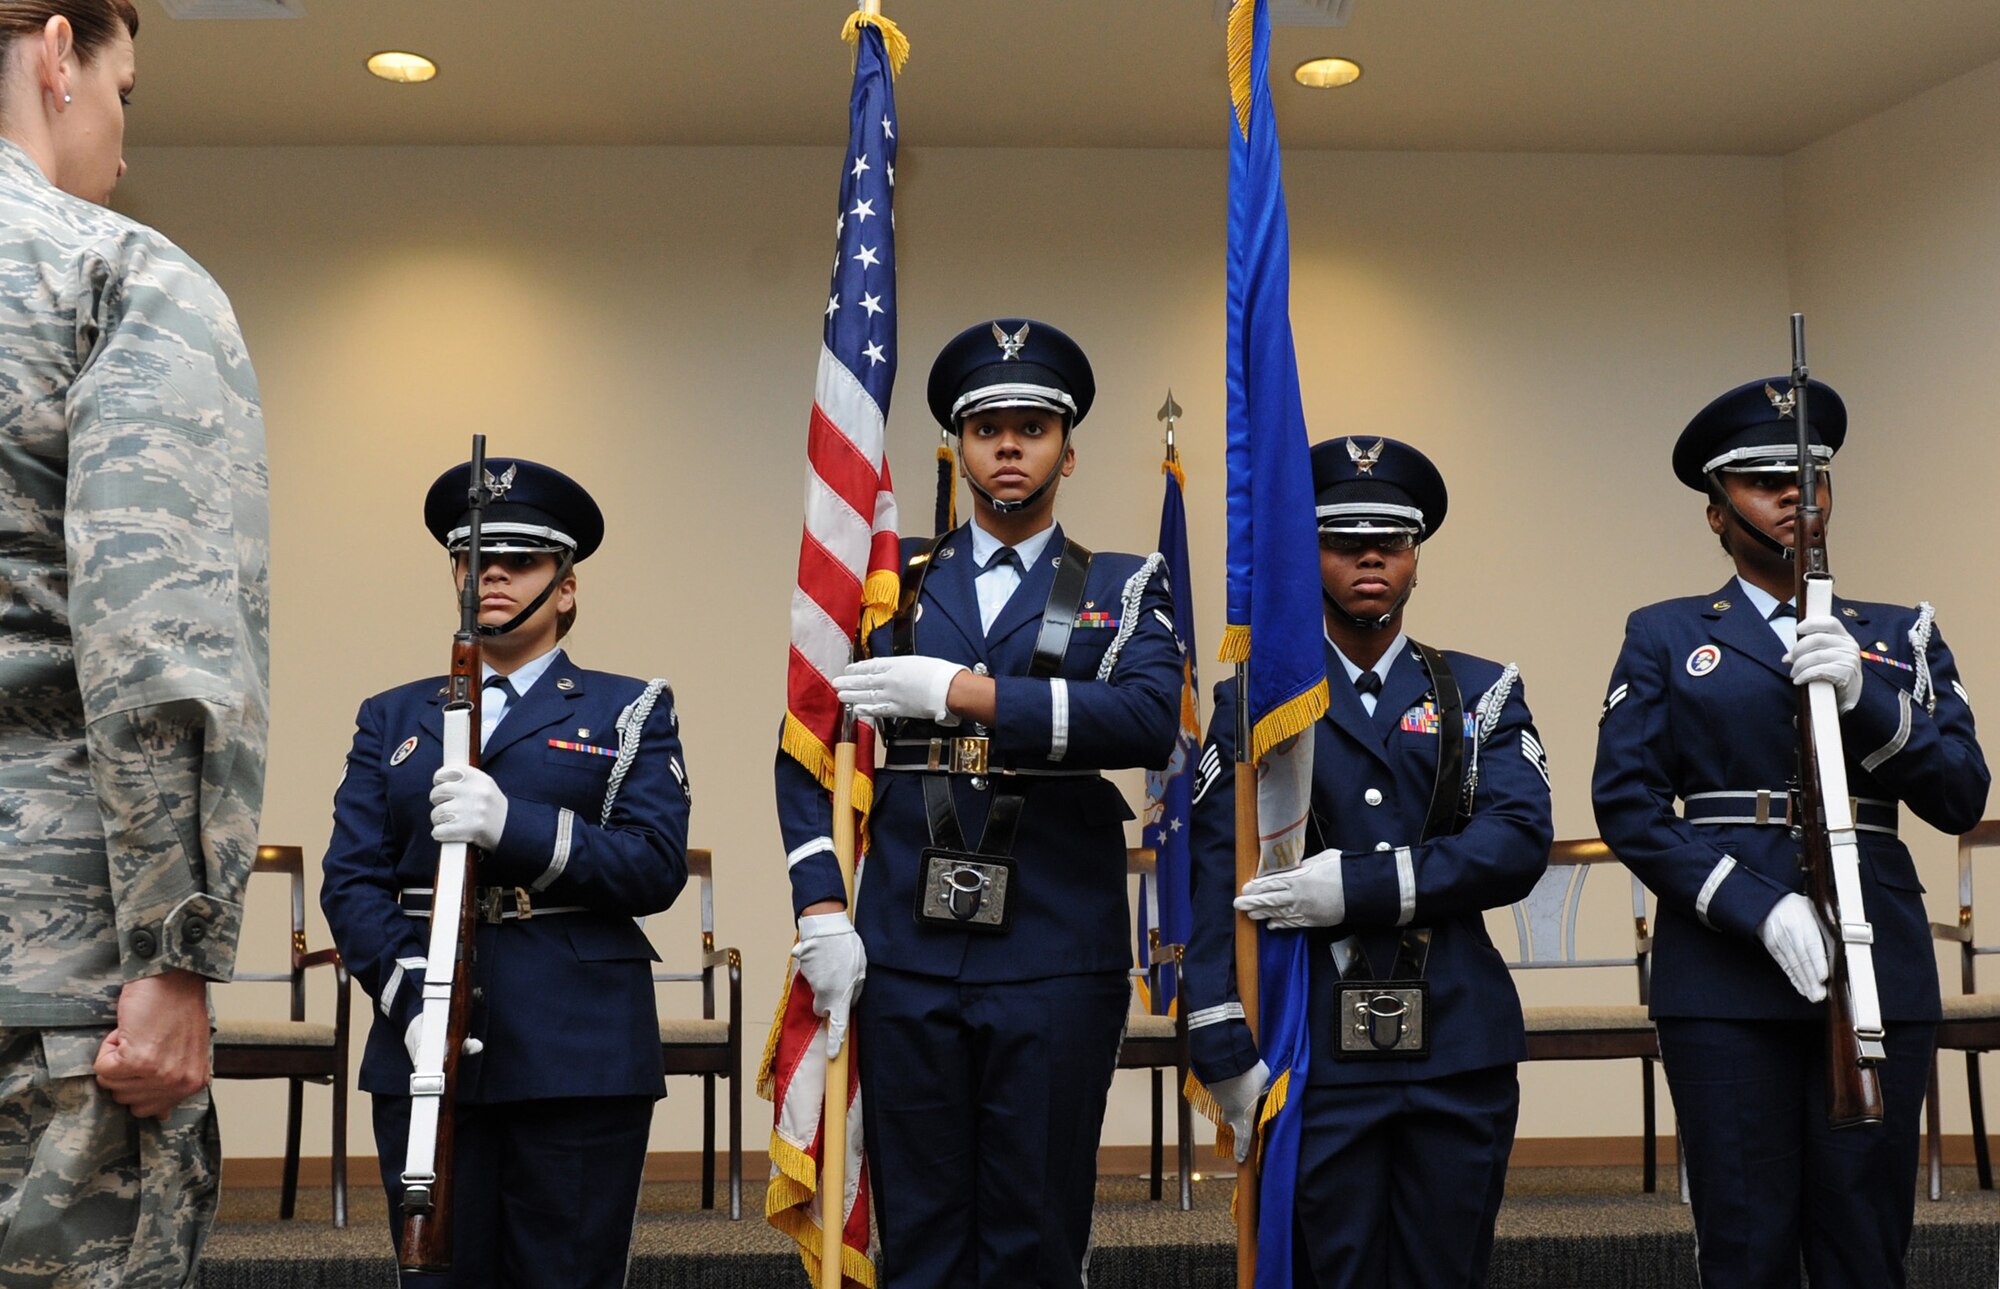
(1242,29)
(1294,716)
(1235,644)
(879,597)
(805,747)
(1172,466)
(786,1208)
(893,38)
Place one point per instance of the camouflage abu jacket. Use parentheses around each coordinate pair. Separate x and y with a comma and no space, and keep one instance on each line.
(134,608)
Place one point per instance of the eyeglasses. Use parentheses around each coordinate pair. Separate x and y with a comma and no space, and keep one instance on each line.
(1355,543)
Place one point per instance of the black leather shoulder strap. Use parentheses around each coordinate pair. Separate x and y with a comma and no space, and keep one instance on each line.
(1059,614)
(914,571)
(1443,818)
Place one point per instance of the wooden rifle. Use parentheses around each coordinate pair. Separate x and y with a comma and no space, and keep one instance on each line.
(426,1240)
(1823,816)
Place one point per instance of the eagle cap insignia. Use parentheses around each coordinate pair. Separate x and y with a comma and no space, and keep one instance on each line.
(1783,402)
(498,487)
(1010,346)
(1365,459)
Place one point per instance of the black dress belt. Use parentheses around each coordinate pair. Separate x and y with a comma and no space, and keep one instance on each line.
(494,904)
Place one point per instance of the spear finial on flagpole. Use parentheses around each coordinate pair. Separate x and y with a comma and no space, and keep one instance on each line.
(1170,411)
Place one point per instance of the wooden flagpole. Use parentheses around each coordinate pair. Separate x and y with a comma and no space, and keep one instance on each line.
(1247,856)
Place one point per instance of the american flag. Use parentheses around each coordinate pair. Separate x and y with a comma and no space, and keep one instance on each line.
(847,584)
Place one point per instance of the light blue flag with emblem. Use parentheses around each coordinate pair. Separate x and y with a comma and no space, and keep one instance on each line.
(1167,898)
(1273,590)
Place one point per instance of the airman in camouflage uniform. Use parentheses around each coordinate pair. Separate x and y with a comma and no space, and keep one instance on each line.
(134,615)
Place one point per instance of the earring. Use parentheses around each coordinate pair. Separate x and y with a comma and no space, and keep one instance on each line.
(65,98)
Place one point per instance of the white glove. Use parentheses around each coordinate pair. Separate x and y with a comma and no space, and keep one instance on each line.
(906,685)
(413,1031)
(1307,894)
(1792,934)
(1238,1098)
(831,958)
(1826,652)
(467,806)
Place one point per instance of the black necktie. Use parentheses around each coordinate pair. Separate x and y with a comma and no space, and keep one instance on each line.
(1002,558)
(1368,682)
(501,683)
(1786,610)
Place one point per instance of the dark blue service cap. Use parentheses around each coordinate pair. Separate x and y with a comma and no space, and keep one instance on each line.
(1010,362)
(534,508)
(1750,430)
(1380,485)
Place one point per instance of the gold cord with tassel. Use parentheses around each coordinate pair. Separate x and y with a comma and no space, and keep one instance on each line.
(893,38)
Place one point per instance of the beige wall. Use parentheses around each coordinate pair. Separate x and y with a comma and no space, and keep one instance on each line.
(648,318)
(1891,228)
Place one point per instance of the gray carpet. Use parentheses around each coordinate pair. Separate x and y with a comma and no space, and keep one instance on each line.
(1561,1228)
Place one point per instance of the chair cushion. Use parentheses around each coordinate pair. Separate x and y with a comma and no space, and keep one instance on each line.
(693,1032)
(1625,1018)
(272,1033)
(1145,1025)
(1972,1007)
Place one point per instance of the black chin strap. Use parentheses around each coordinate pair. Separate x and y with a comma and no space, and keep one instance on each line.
(1771,543)
(1013,507)
(562,571)
(1371,624)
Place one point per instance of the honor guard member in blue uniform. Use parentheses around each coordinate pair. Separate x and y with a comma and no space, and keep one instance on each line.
(1430,805)
(992,905)
(1695,752)
(579,809)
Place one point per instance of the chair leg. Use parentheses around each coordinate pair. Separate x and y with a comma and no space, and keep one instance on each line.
(708,1141)
(1159,1159)
(736,1147)
(1650,1146)
(339,1082)
(1976,1096)
(1184,1138)
(1933,1136)
(288,1197)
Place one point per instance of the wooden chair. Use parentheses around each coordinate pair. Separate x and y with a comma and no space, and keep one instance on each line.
(1971,1020)
(1546,924)
(298,1050)
(707,1046)
(1158,1043)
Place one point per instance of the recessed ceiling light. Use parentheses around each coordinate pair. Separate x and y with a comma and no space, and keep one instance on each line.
(1327,73)
(404,69)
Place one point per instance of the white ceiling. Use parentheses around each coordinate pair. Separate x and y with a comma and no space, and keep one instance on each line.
(1686,76)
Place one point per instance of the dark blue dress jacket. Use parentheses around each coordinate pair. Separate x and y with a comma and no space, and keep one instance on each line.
(1115,705)
(567,999)
(1700,701)
(1373,777)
